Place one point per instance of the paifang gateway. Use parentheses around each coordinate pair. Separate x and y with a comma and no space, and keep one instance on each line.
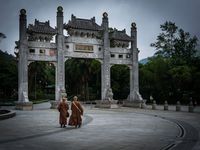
(86,39)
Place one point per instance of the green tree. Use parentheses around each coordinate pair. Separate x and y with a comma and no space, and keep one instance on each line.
(8,76)
(172,74)
(185,48)
(175,43)
(154,79)
(166,40)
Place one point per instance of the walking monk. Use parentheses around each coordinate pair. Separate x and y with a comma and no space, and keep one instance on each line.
(63,109)
(77,111)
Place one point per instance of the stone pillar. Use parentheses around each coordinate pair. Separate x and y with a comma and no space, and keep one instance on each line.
(106,91)
(60,65)
(23,101)
(105,66)
(131,84)
(134,99)
(134,91)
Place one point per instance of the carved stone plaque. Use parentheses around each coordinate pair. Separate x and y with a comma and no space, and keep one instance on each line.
(83,48)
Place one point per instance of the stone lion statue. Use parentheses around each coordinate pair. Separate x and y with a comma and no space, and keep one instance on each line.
(109,94)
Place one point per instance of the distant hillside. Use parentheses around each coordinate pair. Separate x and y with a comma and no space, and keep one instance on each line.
(4,56)
(144,61)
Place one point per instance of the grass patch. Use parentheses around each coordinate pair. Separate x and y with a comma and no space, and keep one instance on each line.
(39,101)
(7,103)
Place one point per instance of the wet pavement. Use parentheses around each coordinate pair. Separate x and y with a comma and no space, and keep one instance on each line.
(120,129)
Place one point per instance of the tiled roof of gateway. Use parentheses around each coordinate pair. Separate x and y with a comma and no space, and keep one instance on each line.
(86,24)
(41,27)
(119,35)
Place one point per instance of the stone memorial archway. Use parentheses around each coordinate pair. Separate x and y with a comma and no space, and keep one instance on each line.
(86,39)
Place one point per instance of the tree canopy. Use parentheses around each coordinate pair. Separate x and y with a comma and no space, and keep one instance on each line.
(8,76)
(2,35)
(173,72)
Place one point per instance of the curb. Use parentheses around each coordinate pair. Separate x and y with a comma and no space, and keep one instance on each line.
(8,114)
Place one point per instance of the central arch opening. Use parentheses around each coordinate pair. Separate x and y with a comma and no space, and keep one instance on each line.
(83,78)
(120,82)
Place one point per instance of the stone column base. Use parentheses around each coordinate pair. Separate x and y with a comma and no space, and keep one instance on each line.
(135,103)
(24,105)
(54,104)
(106,104)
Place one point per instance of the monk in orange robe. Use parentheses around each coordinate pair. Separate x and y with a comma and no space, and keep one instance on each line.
(63,109)
(77,111)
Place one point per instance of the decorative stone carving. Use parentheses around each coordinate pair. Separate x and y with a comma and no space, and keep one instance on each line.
(143,105)
(63,93)
(109,94)
(25,97)
(138,96)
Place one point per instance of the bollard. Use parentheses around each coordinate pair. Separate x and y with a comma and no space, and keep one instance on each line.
(195,103)
(178,106)
(154,105)
(166,106)
(191,107)
(143,106)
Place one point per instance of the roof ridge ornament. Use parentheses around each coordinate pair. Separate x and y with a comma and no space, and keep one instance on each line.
(133,25)
(93,19)
(59,9)
(23,12)
(105,15)
(73,17)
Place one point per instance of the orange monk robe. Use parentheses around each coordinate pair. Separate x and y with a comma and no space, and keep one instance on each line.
(75,118)
(63,109)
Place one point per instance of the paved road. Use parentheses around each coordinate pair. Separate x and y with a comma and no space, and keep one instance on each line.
(120,129)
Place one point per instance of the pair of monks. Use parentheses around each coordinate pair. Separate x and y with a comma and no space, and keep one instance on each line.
(76,113)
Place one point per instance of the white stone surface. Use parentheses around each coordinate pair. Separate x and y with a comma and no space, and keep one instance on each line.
(65,48)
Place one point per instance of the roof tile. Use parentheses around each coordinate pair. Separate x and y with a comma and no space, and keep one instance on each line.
(119,35)
(41,27)
(85,24)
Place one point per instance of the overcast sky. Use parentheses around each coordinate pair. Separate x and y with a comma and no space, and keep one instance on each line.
(148,15)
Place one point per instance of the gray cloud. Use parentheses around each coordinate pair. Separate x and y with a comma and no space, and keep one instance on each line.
(148,15)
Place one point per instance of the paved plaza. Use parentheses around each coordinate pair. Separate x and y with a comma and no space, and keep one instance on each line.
(103,129)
